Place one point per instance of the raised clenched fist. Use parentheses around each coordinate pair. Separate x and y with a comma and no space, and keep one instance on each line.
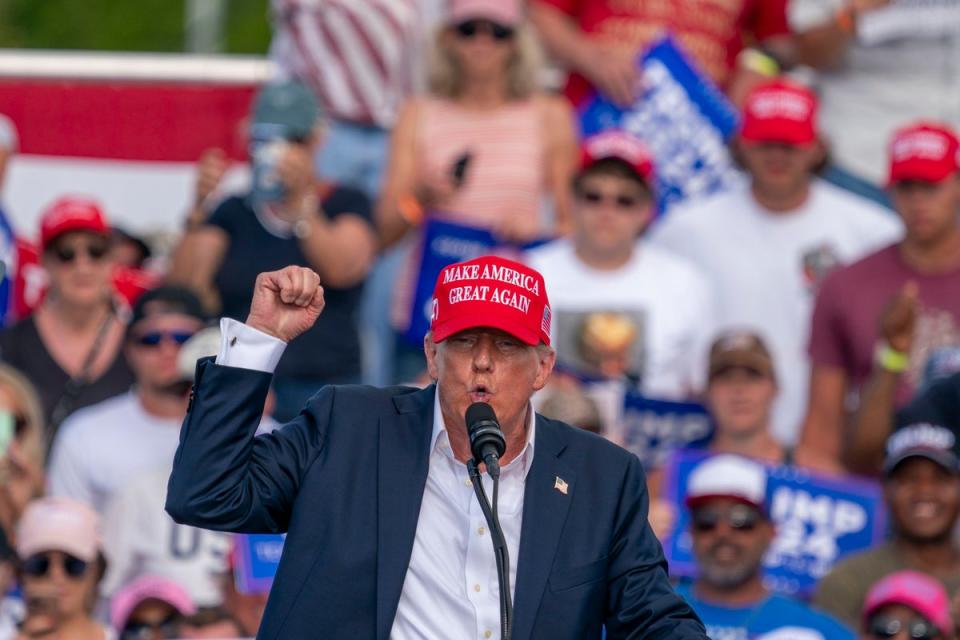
(286,303)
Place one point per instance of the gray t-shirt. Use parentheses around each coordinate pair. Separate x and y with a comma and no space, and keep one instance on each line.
(903,66)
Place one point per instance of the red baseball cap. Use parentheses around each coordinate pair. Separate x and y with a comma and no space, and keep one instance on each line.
(615,143)
(780,111)
(925,151)
(491,292)
(71,213)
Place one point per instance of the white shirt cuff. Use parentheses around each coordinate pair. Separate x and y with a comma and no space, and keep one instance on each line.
(244,347)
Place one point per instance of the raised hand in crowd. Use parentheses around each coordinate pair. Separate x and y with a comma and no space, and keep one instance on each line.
(211,167)
(899,318)
(295,170)
(286,303)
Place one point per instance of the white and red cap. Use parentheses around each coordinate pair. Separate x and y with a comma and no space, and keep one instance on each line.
(728,476)
(915,590)
(780,111)
(616,143)
(926,151)
(504,12)
(493,292)
(127,599)
(72,213)
(59,524)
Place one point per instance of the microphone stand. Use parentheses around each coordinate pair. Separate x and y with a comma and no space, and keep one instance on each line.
(500,552)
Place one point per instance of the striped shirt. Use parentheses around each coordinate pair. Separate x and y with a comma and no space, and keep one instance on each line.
(355,54)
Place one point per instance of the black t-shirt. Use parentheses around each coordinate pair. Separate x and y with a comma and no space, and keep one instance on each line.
(22,348)
(330,350)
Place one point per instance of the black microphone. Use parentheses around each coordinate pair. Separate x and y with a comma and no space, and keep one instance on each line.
(486,438)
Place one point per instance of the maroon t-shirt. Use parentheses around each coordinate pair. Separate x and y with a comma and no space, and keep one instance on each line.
(846,320)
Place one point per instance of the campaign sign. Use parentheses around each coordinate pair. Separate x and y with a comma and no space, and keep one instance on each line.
(258,556)
(653,429)
(819,520)
(683,118)
(444,243)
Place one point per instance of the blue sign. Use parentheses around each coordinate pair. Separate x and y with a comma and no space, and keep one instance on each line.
(653,429)
(819,520)
(683,118)
(258,556)
(442,244)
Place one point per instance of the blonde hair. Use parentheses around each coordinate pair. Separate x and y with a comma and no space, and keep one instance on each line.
(523,67)
(33,439)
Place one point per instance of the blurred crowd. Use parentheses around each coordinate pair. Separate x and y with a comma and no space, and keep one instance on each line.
(812,308)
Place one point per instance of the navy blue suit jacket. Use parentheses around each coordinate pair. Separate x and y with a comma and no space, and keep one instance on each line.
(345,480)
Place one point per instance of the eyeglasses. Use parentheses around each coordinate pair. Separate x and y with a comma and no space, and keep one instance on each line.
(471,28)
(889,627)
(66,253)
(620,201)
(739,517)
(169,627)
(154,338)
(38,565)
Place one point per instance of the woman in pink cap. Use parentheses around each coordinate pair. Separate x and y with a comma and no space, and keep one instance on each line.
(61,564)
(907,605)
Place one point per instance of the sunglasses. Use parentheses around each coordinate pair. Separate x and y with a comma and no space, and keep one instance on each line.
(66,253)
(739,517)
(38,565)
(471,28)
(889,627)
(620,201)
(154,338)
(169,627)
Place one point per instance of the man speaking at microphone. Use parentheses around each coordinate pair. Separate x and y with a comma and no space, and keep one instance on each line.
(385,538)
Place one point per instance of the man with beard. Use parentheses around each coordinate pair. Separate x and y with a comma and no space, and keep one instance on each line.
(102,447)
(922,491)
(731,532)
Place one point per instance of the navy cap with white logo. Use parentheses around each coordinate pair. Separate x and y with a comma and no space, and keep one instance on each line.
(925,440)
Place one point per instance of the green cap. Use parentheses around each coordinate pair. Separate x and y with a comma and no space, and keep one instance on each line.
(289,106)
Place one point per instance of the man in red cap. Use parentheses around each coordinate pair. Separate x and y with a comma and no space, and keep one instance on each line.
(767,245)
(890,323)
(384,536)
(605,266)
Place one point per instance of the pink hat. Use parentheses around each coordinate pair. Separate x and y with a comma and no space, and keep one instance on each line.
(505,12)
(148,588)
(72,213)
(491,292)
(924,151)
(59,524)
(915,590)
(615,143)
(780,111)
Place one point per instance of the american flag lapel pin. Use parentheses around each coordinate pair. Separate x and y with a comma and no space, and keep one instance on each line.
(560,485)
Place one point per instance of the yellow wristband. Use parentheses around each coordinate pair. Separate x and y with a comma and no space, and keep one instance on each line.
(890,359)
(759,62)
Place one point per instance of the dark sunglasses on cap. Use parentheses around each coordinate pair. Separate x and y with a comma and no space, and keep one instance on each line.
(66,253)
(38,565)
(471,28)
(154,338)
(739,517)
(169,627)
(889,626)
(620,201)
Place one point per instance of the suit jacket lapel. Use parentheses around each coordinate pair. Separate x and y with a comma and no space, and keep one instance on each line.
(545,505)
(404,458)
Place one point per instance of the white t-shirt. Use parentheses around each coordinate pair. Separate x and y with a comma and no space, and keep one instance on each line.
(764,268)
(667,290)
(903,65)
(141,539)
(102,447)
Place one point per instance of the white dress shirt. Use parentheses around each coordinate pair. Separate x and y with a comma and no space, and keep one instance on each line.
(451,588)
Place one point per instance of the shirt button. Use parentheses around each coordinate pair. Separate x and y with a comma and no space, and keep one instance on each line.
(481,531)
(467,482)
(487,633)
(476,588)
